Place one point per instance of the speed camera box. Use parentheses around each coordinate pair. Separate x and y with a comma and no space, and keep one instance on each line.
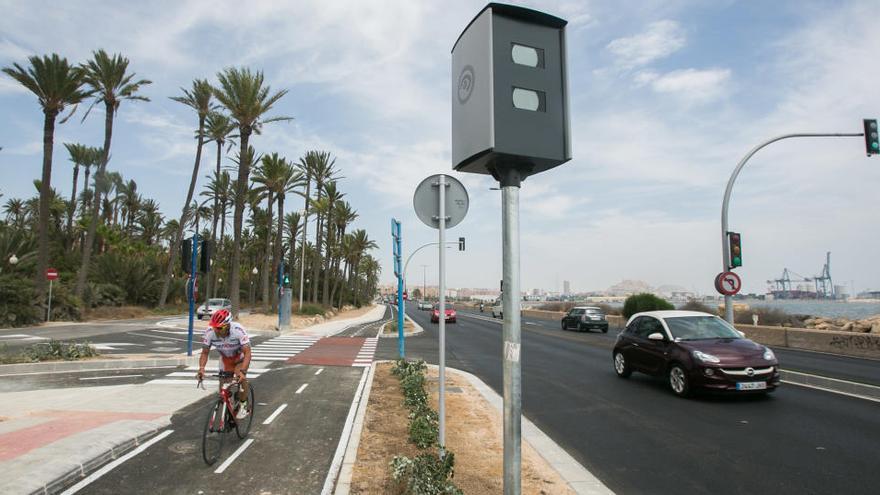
(509,92)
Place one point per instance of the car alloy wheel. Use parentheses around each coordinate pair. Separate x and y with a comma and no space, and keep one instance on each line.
(678,381)
(620,365)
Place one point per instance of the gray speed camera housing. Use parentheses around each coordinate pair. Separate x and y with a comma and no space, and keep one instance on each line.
(509,93)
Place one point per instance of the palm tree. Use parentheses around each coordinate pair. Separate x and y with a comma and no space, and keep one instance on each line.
(291,180)
(332,196)
(361,243)
(344,216)
(247,100)
(218,190)
(199,99)
(130,203)
(15,212)
(292,221)
(79,155)
(56,84)
(322,173)
(111,85)
(149,222)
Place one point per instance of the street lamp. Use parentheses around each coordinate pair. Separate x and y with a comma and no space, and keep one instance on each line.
(13,260)
(254,273)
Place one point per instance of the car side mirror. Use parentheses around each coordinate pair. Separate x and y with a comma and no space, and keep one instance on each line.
(656,336)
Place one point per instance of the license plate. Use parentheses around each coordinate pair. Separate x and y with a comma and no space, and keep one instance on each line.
(751,386)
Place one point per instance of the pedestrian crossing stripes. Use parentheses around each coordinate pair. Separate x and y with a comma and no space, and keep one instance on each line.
(365,355)
(188,376)
(282,348)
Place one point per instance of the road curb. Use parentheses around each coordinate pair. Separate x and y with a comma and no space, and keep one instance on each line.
(343,483)
(833,385)
(418,330)
(94,365)
(59,484)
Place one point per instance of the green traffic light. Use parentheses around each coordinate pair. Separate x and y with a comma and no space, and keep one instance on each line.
(875,145)
(737,261)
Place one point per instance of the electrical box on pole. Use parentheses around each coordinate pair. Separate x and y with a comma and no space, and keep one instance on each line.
(205,252)
(510,93)
(872,139)
(186,249)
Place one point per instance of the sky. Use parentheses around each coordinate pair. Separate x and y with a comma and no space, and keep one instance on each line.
(666,97)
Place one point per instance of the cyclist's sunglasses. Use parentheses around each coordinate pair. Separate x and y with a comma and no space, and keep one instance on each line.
(223,328)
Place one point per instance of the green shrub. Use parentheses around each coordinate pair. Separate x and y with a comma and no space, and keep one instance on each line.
(426,474)
(424,427)
(17,305)
(53,350)
(65,305)
(311,310)
(644,302)
(105,294)
(694,305)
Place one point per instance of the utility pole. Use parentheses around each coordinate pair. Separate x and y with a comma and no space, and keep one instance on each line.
(424,281)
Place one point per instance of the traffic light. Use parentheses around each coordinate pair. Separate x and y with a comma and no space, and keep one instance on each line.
(872,140)
(186,249)
(285,280)
(206,249)
(735,242)
(461,243)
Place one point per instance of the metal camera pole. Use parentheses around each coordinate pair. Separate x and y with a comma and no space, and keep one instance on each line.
(441,249)
(510,184)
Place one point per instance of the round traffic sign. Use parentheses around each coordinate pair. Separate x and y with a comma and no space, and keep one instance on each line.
(51,274)
(426,201)
(728,283)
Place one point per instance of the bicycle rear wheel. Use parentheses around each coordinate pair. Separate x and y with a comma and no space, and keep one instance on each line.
(214,433)
(243,426)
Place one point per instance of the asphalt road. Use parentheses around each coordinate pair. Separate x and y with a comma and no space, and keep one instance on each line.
(637,437)
(292,454)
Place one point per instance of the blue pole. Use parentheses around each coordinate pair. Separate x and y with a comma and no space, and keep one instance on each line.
(192,292)
(401,304)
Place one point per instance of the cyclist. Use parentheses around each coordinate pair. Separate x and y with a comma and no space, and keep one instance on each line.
(234,346)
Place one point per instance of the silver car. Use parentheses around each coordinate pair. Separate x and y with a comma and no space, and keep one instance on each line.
(206,310)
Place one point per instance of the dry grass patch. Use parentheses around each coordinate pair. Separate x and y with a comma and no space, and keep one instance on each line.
(473,434)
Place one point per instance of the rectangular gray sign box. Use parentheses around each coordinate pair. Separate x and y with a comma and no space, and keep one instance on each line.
(510,93)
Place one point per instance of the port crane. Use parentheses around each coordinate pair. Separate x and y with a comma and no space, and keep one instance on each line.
(782,286)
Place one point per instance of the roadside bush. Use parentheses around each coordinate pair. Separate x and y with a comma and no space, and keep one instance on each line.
(17,308)
(65,305)
(310,310)
(426,474)
(644,302)
(557,306)
(53,350)
(424,427)
(104,294)
(608,310)
(694,305)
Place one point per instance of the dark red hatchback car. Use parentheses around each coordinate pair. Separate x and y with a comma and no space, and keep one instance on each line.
(693,351)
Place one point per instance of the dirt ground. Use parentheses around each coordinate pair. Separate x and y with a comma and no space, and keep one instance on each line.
(259,321)
(473,434)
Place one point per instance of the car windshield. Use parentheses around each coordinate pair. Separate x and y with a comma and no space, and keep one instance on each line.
(700,328)
(593,310)
(448,307)
(215,302)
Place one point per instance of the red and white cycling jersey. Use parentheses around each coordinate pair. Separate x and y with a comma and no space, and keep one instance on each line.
(231,345)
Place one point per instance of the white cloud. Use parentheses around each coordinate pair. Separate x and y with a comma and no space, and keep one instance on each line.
(12,51)
(8,85)
(692,84)
(661,39)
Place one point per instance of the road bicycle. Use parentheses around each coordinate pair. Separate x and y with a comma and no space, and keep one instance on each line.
(221,416)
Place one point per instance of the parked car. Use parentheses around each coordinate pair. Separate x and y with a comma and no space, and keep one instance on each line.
(206,310)
(694,350)
(450,313)
(425,305)
(585,318)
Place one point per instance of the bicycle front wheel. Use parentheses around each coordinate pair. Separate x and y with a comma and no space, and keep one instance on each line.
(243,426)
(214,432)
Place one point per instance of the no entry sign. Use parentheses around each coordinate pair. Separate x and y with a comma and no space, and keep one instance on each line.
(51,274)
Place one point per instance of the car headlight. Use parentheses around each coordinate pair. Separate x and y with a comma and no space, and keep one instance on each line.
(768,354)
(706,358)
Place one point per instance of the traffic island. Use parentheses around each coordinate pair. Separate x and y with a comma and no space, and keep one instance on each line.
(473,434)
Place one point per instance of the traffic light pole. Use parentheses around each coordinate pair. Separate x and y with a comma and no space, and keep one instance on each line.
(725,248)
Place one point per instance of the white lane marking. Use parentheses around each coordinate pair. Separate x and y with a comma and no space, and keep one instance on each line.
(299,390)
(247,443)
(814,387)
(110,377)
(21,336)
(165,338)
(109,467)
(111,346)
(333,473)
(275,414)
(319,371)
(85,371)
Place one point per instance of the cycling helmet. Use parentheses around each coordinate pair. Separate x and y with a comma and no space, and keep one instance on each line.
(219,318)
